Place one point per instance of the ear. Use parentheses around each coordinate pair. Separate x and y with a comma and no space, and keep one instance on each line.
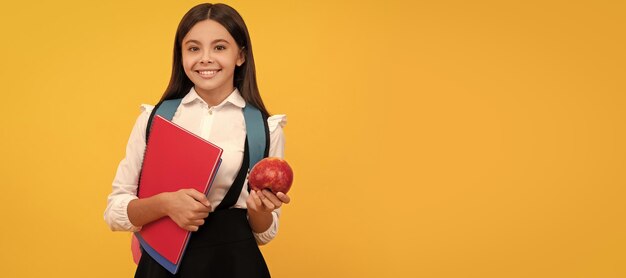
(242,57)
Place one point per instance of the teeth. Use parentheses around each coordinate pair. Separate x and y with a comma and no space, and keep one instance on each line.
(207,72)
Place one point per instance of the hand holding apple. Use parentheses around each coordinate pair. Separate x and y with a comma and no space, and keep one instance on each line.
(260,206)
(266,201)
(271,173)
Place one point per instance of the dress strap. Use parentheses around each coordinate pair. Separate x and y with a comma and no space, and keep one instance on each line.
(235,189)
(256,148)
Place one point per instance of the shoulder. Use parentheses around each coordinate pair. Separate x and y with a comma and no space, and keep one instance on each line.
(142,120)
(276,122)
(146,108)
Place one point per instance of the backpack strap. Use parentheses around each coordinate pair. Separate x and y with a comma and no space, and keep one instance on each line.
(257,134)
(165,109)
(257,129)
(256,143)
(256,148)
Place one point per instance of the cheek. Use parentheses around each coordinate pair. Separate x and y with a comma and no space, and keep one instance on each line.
(188,62)
(186,65)
(187,68)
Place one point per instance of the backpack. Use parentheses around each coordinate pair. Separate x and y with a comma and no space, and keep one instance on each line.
(257,136)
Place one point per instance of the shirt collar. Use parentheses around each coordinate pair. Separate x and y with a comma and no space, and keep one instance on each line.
(235,98)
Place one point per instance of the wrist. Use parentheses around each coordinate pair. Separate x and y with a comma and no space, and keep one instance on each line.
(163,203)
(260,221)
(254,214)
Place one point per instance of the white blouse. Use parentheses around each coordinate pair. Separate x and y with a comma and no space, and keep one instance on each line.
(222,125)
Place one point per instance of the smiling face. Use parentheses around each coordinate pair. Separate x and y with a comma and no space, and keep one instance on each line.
(210,55)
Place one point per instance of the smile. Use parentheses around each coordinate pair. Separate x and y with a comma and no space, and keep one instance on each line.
(208,73)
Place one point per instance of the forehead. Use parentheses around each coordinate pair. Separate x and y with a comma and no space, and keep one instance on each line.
(207,31)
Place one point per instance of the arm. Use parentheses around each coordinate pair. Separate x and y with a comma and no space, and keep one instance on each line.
(127,177)
(261,204)
(187,207)
(144,211)
(264,207)
(125,212)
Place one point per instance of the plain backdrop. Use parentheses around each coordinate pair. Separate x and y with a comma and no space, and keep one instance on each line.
(428,138)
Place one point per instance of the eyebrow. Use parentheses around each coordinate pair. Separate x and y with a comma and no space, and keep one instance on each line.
(213,42)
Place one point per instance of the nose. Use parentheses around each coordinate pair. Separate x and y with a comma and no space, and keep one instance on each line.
(206,58)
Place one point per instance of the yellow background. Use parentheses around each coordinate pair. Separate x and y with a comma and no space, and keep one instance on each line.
(429,138)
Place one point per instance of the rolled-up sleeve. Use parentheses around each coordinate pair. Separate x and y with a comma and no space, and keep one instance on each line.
(277,149)
(127,177)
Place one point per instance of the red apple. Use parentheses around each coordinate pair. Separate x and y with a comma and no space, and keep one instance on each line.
(271,173)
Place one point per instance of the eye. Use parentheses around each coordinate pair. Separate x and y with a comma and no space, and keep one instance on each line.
(220,47)
(193,48)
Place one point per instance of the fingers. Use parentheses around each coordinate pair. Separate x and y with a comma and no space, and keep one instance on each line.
(193,224)
(191,228)
(198,222)
(196,195)
(194,216)
(265,200)
(203,215)
(283,197)
(200,208)
(256,199)
(278,199)
(189,208)
(276,203)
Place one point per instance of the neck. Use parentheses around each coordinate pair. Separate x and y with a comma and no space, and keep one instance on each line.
(213,98)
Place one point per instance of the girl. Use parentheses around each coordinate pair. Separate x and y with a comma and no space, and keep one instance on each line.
(214,74)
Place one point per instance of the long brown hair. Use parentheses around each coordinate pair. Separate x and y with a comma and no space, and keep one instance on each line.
(245,75)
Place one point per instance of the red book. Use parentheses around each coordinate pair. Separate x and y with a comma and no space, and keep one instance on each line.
(174,159)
